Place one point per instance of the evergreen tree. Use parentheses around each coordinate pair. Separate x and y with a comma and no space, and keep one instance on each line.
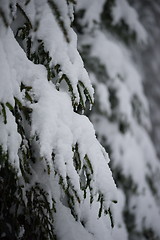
(108,31)
(55,182)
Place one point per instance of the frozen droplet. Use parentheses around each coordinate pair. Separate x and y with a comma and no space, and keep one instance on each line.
(57,84)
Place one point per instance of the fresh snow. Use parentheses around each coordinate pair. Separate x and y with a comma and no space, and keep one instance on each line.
(54,127)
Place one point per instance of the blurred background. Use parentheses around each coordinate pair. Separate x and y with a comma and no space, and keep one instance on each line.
(119,43)
(149,60)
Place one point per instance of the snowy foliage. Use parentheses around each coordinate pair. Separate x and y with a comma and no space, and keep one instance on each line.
(55,180)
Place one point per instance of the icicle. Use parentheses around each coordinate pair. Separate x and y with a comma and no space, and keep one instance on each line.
(82,111)
(90,106)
